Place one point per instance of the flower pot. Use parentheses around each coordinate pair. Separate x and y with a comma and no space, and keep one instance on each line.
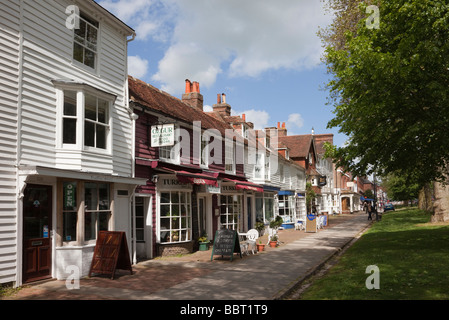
(273,244)
(204,246)
(260,247)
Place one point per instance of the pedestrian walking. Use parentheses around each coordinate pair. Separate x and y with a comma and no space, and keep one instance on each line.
(369,209)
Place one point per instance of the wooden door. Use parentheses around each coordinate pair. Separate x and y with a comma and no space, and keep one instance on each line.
(37,209)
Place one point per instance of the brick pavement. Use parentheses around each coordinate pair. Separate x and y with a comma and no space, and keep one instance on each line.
(152,276)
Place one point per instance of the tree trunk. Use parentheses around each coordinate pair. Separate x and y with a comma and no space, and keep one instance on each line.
(425,198)
(441,204)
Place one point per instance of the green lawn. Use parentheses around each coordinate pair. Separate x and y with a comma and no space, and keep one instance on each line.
(411,254)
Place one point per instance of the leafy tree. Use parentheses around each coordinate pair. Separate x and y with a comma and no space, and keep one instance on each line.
(310,197)
(390,89)
(400,188)
(369,194)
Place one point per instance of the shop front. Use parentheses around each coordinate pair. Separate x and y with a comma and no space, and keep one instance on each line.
(287,210)
(62,213)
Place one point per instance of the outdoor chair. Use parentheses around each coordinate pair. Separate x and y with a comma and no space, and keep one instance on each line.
(300,224)
(251,237)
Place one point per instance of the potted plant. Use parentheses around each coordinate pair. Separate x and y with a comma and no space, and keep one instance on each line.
(203,242)
(260,246)
(273,241)
(260,227)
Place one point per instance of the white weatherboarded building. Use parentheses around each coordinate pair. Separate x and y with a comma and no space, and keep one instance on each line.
(66,136)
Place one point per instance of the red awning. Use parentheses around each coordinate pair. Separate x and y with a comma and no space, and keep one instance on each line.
(197,178)
(246,185)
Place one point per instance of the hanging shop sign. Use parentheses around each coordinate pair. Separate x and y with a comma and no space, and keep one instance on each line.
(162,135)
(322,181)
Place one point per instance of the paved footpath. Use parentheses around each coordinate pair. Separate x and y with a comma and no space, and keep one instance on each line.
(264,276)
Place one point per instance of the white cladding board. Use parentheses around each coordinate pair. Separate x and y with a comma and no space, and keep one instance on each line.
(9,99)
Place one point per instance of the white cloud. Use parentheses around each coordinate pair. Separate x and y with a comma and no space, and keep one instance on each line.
(259,118)
(206,38)
(295,121)
(137,67)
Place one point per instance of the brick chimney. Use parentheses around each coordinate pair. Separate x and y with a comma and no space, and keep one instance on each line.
(221,106)
(192,95)
(282,131)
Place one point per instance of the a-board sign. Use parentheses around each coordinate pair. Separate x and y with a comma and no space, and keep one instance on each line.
(311,223)
(111,253)
(226,243)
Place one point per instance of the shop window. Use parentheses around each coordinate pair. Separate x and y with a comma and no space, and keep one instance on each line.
(97,209)
(231,211)
(264,207)
(175,216)
(85,41)
(286,206)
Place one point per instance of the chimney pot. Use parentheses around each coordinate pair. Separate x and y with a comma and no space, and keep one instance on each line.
(218,98)
(244,117)
(196,87)
(279,125)
(188,86)
(223,98)
(283,125)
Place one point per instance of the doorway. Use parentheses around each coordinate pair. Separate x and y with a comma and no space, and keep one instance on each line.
(37,213)
(202,227)
(249,212)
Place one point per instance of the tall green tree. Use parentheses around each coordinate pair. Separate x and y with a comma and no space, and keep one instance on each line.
(400,188)
(390,89)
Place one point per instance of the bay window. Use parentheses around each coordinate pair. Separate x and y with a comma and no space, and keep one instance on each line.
(84,119)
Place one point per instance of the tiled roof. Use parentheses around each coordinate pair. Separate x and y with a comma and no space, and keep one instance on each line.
(299,145)
(159,101)
(321,139)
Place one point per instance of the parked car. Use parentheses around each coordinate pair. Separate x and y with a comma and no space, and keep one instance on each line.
(389,207)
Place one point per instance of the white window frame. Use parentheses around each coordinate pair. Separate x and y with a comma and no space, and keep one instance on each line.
(81,91)
(230,153)
(188,229)
(95,49)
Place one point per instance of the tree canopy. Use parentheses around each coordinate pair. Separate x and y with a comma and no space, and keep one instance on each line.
(390,88)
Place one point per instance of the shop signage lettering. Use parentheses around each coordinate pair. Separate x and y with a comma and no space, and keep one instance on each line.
(162,135)
(69,194)
(228,189)
(173,183)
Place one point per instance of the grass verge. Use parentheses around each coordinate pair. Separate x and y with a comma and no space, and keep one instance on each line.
(412,257)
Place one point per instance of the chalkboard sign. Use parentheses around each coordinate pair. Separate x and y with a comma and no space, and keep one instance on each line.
(111,253)
(226,243)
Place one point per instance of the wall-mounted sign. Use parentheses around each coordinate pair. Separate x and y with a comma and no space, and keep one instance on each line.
(172,183)
(162,135)
(322,181)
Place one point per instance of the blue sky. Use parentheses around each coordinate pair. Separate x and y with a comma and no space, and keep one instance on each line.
(263,54)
